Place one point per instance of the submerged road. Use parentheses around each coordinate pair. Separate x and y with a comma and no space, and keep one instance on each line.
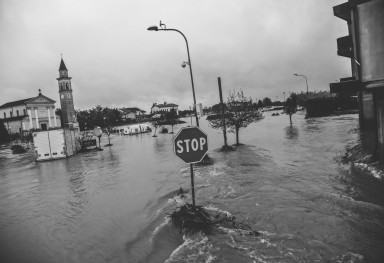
(110,206)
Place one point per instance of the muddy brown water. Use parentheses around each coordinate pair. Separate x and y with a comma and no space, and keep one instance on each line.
(110,206)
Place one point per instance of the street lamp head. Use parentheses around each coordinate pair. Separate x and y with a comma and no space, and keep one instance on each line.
(295,74)
(153,28)
(184,64)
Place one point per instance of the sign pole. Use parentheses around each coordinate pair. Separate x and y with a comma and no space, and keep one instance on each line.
(222,112)
(191,145)
(193,186)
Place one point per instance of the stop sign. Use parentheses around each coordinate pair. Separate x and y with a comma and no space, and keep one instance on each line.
(190,144)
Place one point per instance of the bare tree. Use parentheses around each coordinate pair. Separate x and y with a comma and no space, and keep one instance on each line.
(110,121)
(108,129)
(157,122)
(171,118)
(240,111)
(291,106)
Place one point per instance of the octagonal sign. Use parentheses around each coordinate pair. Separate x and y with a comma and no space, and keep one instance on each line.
(190,144)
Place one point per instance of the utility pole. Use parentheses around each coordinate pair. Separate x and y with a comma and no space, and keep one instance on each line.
(222,113)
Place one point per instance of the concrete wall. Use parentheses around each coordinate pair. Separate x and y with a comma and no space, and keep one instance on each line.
(370,17)
(367,110)
(72,140)
(379,101)
(13,126)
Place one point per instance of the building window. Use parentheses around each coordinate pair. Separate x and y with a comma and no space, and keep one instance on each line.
(5,115)
(10,114)
(24,112)
(17,112)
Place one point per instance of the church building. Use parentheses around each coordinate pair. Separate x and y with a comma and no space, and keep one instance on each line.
(32,113)
(38,113)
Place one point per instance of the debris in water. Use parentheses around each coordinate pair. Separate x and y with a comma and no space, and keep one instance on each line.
(356,154)
(181,192)
(16,149)
(206,161)
(226,148)
(192,219)
(90,149)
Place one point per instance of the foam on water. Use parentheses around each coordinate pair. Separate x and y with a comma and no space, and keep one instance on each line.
(269,247)
(186,172)
(157,229)
(217,170)
(194,249)
(372,170)
(231,191)
(179,200)
(215,209)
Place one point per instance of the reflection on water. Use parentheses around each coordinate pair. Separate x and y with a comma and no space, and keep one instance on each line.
(367,141)
(112,205)
(78,201)
(160,145)
(291,132)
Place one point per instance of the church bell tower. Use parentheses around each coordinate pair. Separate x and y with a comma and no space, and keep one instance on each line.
(66,99)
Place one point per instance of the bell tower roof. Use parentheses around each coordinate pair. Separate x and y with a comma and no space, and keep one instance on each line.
(63,71)
(62,65)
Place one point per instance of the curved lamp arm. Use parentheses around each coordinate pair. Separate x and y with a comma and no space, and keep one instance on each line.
(306,80)
(155,28)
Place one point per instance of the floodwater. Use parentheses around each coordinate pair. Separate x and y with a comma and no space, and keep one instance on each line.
(111,206)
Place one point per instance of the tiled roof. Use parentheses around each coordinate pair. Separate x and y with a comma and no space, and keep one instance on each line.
(23,102)
(14,103)
(15,118)
(131,109)
(166,105)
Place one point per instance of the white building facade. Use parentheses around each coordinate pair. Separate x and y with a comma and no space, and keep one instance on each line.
(33,113)
(132,114)
(166,107)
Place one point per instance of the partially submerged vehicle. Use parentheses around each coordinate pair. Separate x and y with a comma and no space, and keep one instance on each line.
(137,129)
(49,145)
(55,144)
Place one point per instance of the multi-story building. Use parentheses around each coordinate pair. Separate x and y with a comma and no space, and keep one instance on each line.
(66,98)
(166,107)
(132,114)
(364,46)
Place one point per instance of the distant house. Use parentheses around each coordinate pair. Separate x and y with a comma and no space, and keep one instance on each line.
(132,114)
(31,113)
(166,107)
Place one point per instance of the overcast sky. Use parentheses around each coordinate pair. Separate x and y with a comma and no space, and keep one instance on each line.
(114,61)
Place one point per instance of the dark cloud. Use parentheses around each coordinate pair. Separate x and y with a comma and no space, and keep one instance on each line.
(253,45)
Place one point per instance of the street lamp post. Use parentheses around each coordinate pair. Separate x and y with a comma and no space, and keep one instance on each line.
(306,81)
(163,28)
